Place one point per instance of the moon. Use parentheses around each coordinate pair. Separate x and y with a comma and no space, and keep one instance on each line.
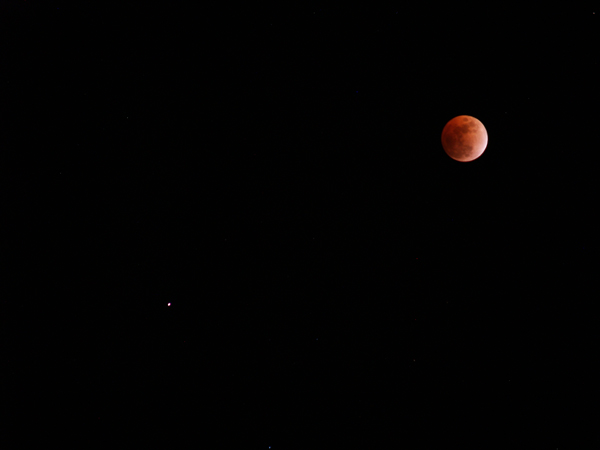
(464,138)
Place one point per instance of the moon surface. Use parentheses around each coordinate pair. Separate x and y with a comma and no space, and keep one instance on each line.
(464,138)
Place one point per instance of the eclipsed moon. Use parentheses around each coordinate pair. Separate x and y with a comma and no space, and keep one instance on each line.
(464,138)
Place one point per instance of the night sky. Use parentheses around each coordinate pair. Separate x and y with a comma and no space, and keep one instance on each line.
(243,223)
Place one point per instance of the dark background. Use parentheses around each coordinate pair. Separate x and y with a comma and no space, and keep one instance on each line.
(277,176)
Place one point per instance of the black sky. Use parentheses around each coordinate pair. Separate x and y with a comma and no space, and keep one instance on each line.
(277,176)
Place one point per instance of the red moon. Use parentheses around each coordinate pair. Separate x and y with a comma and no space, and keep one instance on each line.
(464,138)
